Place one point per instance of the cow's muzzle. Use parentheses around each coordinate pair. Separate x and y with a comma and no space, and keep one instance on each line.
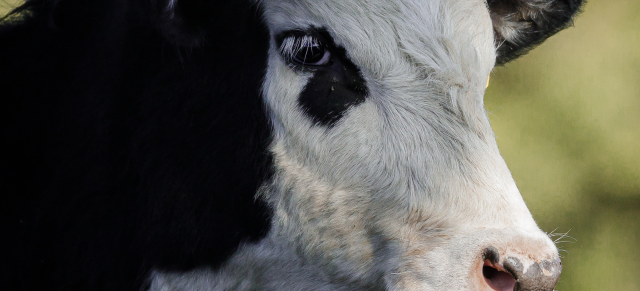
(510,274)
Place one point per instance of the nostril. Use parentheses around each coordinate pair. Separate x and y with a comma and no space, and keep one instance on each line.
(542,276)
(496,279)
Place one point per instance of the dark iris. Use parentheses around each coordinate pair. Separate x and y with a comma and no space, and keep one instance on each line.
(311,55)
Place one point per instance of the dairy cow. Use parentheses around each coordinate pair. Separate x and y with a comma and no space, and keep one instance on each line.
(264,145)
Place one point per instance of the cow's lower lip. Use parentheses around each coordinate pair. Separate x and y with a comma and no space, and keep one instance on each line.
(497,278)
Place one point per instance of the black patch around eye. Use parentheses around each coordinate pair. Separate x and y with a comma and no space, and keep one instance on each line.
(333,88)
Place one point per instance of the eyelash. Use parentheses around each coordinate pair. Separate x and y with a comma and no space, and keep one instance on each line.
(306,45)
(293,44)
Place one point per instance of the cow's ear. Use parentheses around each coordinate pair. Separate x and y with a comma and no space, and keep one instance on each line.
(520,25)
(179,21)
(192,22)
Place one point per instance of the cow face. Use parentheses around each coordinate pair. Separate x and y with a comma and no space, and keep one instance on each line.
(387,165)
(388,176)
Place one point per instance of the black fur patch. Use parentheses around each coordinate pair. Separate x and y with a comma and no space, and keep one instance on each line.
(520,25)
(334,88)
(126,150)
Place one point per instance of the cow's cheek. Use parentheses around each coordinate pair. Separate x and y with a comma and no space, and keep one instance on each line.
(327,225)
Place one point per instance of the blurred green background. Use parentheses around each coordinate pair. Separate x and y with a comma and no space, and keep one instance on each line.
(567,120)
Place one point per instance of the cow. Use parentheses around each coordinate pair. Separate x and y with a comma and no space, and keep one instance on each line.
(264,145)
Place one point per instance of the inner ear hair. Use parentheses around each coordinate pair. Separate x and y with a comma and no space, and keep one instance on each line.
(177,24)
(193,23)
(521,25)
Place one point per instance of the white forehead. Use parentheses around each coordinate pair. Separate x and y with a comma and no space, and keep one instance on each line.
(381,36)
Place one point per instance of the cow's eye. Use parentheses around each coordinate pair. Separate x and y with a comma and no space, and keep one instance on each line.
(305,50)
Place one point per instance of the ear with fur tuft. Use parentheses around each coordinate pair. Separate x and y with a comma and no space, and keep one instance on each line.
(177,22)
(195,23)
(520,25)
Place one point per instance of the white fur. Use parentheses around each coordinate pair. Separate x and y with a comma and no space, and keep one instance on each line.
(409,188)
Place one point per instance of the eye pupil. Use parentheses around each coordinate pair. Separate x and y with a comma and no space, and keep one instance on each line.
(310,54)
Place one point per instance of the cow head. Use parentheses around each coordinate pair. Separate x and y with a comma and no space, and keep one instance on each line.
(387,173)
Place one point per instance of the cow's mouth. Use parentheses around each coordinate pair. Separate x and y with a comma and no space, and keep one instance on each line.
(496,278)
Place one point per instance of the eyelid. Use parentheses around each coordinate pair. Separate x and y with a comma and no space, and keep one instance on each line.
(324,61)
(291,45)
